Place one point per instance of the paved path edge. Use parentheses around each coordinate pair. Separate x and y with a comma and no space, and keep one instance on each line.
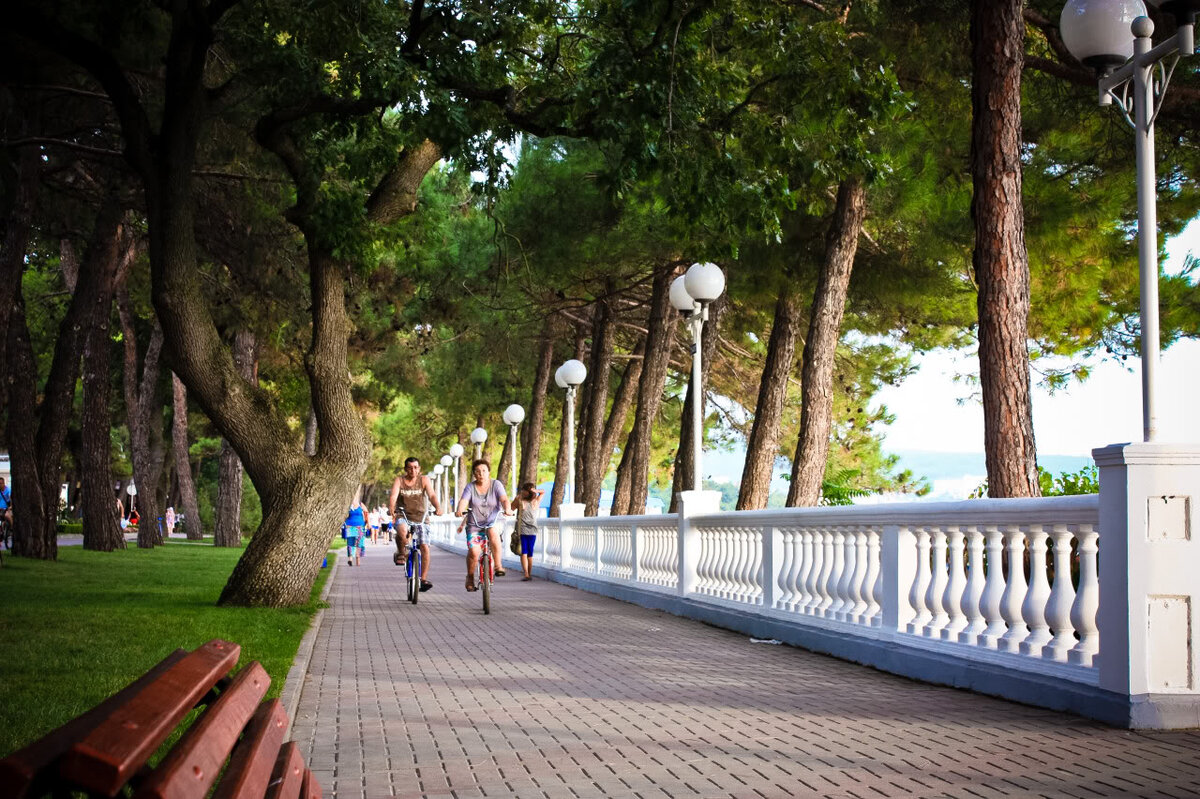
(294,682)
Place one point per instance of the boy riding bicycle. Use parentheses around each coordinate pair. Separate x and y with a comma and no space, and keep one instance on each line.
(412,494)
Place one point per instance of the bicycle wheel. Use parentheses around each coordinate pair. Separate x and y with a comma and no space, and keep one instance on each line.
(485,581)
(414,575)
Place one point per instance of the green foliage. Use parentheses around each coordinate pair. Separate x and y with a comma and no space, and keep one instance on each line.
(1084,481)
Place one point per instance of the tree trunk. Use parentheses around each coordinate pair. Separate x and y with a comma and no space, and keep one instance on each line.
(30,538)
(561,466)
(310,433)
(820,346)
(660,337)
(762,446)
(685,461)
(227,531)
(505,467)
(531,433)
(593,461)
(101,522)
(14,246)
(622,402)
(144,419)
(183,468)
(1000,259)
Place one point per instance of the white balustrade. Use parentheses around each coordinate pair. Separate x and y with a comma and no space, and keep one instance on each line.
(956,620)
(823,599)
(829,608)
(920,585)
(788,568)
(993,590)
(810,570)
(973,593)
(859,588)
(938,617)
(874,580)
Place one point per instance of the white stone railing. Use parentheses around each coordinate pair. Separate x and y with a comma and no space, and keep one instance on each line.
(1009,597)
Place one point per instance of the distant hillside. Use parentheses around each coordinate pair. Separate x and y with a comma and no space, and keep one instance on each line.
(954,475)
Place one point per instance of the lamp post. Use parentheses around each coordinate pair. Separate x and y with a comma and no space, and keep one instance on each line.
(1113,37)
(456,452)
(691,294)
(478,436)
(446,462)
(569,376)
(513,416)
(439,476)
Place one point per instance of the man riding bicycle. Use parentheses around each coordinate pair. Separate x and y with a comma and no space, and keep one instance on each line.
(414,492)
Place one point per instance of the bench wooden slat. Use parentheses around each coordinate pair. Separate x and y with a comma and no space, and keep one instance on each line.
(23,771)
(195,762)
(288,775)
(249,771)
(113,751)
(310,788)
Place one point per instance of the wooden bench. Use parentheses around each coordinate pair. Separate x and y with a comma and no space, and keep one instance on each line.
(237,738)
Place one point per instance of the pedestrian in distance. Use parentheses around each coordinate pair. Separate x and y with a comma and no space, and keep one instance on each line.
(481,503)
(529,497)
(170,521)
(354,530)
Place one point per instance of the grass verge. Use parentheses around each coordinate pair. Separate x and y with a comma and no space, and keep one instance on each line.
(76,630)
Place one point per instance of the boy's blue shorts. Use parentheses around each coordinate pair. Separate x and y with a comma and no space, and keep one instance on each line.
(527,542)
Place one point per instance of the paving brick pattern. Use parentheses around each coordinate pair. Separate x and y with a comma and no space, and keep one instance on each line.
(559,693)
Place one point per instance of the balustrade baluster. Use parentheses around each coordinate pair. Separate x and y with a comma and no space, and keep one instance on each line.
(872,585)
(1087,599)
(937,585)
(1033,609)
(858,580)
(1062,596)
(1014,592)
(786,560)
(727,562)
(743,583)
(972,594)
(916,595)
(833,551)
(808,568)
(952,595)
(993,590)
(822,598)
(845,601)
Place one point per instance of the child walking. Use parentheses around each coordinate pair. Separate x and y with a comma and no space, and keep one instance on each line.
(528,499)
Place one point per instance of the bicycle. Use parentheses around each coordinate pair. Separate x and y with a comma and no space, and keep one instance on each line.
(413,563)
(486,574)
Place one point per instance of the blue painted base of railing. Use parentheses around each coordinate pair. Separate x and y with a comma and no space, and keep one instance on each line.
(919,660)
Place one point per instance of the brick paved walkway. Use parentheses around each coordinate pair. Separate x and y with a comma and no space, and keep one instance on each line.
(563,694)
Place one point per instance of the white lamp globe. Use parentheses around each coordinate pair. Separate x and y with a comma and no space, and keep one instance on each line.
(573,372)
(1099,32)
(456,450)
(438,469)
(478,435)
(680,299)
(704,282)
(514,414)
(447,461)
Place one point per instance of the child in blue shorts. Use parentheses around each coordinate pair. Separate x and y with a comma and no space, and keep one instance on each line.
(354,530)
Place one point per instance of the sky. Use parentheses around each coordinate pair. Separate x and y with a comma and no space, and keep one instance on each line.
(1105,409)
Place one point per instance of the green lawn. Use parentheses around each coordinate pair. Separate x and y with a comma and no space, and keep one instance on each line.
(74,631)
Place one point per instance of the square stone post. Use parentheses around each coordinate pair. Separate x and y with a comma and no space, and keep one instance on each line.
(898,564)
(566,511)
(1150,581)
(692,503)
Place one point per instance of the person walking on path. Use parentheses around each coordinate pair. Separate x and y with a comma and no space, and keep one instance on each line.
(170,521)
(414,493)
(481,502)
(354,530)
(528,499)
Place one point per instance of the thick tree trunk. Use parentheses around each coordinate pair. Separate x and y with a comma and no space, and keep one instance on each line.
(227,531)
(14,246)
(633,476)
(144,417)
(762,446)
(685,461)
(505,467)
(535,420)
(593,460)
(820,346)
(32,537)
(183,462)
(1000,260)
(561,467)
(101,522)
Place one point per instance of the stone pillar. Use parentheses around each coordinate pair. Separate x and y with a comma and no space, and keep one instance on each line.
(1150,581)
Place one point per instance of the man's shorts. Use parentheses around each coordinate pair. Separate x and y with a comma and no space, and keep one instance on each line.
(417,534)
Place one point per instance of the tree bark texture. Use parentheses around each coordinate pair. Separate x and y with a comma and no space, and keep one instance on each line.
(820,347)
(685,461)
(561,465)
(660,337)
(143,415)
(762,445)
(1000,258)
(14,245)
(310,432)
(531,432)
(614,426)
(505,467)
(227,530)
(183,461)
(593,461)
(101,522)
(43,428)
